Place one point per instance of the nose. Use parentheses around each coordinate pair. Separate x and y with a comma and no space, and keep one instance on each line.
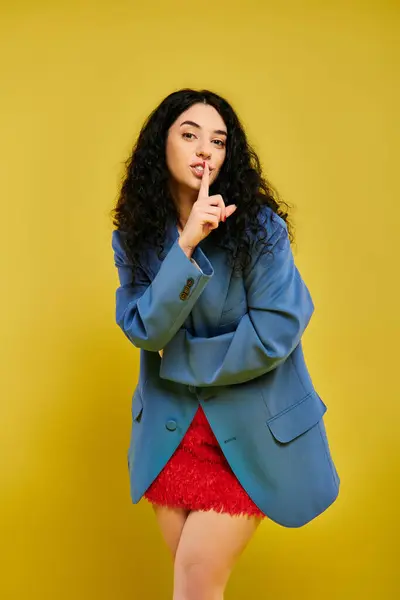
(203,154)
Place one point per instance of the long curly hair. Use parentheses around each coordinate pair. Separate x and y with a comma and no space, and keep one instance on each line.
(144,205)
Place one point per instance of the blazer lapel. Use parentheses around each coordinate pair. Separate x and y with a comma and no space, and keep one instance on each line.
(206,313)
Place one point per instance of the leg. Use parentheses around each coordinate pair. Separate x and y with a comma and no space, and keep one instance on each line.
(209,546)
(171,522)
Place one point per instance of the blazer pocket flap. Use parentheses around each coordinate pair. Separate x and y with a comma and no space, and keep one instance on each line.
(297,419)
(137,405)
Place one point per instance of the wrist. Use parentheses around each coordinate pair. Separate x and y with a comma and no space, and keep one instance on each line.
(188,249)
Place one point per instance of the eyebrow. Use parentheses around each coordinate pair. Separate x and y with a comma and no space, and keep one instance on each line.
(193,124)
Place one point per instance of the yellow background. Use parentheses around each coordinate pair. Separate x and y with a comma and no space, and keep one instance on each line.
(314,83)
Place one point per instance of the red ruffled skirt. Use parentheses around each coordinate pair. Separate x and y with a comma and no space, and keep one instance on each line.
(198,476)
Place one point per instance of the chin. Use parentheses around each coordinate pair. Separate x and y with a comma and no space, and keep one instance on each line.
(192,183)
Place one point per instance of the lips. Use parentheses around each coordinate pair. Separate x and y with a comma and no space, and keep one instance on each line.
(200,164)
(197,172)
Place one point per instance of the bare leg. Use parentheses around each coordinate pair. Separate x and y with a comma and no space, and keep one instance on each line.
(210,544)
(171,522)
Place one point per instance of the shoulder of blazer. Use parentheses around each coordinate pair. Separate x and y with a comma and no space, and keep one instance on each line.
(121,259)
(272,225)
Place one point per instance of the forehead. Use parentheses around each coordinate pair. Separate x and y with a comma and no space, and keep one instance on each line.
(204,115)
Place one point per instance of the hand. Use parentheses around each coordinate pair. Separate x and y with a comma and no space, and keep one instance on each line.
(205,215)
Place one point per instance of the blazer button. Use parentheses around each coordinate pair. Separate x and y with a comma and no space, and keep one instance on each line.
(183,295)
(186,289)
(171,425)
(190,282)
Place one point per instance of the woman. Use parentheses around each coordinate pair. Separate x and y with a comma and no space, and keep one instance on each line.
(227,427)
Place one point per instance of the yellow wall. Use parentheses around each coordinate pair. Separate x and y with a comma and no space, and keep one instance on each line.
(314,83)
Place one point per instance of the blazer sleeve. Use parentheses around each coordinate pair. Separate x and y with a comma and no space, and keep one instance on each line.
(150,311)
(279,310)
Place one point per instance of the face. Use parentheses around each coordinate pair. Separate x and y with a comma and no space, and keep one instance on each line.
(199,134)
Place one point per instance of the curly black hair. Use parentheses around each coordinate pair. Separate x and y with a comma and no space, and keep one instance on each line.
(145,205)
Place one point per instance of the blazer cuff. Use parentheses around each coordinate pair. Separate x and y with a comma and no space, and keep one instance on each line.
(199,260)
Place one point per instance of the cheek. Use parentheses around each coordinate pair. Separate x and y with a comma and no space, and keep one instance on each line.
(220,164)
(222,158)
(176,158)
(173,162)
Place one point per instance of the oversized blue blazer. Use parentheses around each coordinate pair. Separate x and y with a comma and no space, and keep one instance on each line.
(233,344)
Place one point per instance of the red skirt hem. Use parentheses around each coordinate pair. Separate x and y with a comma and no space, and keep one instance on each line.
(210,506)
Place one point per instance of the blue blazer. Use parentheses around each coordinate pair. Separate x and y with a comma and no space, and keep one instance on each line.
(233,344)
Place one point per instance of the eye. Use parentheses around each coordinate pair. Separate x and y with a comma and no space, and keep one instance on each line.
(220,143)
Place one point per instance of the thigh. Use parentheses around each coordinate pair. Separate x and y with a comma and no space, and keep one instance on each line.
(210,544)
(171,522)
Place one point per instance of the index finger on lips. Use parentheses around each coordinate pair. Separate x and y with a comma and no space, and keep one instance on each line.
(205,182)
